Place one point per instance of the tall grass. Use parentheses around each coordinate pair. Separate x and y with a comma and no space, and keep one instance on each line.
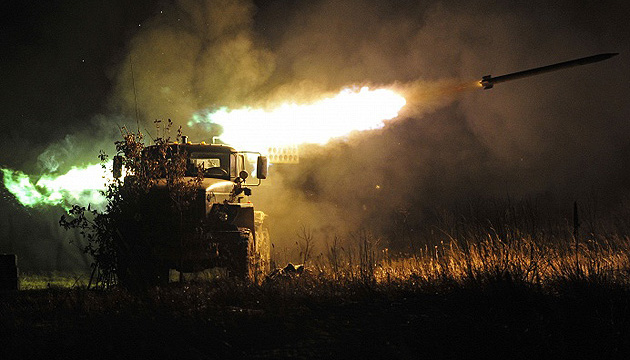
(492,259)
(500,241)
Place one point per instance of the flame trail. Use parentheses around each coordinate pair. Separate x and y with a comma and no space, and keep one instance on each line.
(246,128)
(81,186)
(290,123)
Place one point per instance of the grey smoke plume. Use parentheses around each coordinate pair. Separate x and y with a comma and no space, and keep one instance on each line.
(193,55)
(560,134)
(82,146)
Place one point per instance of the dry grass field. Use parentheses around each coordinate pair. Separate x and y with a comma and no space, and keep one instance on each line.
(511,287)
(493,298)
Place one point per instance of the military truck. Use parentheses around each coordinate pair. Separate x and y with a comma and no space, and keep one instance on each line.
(218,227)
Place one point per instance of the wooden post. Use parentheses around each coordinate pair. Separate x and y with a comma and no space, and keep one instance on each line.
(576,229)
(9,279)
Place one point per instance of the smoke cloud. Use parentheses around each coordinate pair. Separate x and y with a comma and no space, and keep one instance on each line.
(556,137)
(560,136)
(192,56)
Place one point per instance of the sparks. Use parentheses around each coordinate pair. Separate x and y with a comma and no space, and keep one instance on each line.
(290,123)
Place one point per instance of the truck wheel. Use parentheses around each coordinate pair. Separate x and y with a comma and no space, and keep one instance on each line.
(263,245)
(260,256)
(250,257)
(239,255)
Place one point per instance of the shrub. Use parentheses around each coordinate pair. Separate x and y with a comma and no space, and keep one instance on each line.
(121,239)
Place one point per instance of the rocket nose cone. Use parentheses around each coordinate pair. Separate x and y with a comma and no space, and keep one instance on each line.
(607,55)
(592,59)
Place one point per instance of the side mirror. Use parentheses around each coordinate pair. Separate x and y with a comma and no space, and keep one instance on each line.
(118,164)
(261,167)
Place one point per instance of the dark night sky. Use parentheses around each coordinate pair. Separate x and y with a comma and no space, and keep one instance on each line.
(65,80)
(57,66)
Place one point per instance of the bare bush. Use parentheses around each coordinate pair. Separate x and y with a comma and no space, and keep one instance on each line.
(121,239)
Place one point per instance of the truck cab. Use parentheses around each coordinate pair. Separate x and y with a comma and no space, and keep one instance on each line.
(219,227)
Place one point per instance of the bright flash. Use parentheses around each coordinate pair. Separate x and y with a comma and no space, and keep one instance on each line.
(350,110)
(80,186)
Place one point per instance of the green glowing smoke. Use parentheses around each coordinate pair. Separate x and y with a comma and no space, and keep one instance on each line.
(80,186)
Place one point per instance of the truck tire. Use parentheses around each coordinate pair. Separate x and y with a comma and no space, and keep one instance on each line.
(249,258)
(263,246)
(239,255)
(260,256)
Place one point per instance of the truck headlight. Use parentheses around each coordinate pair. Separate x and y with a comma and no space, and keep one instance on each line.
(222,216)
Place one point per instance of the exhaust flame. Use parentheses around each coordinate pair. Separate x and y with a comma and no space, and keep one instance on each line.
(350,110)
(80,186)
(246,128)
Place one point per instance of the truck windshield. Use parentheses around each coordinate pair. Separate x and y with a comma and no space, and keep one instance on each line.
(214,165)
